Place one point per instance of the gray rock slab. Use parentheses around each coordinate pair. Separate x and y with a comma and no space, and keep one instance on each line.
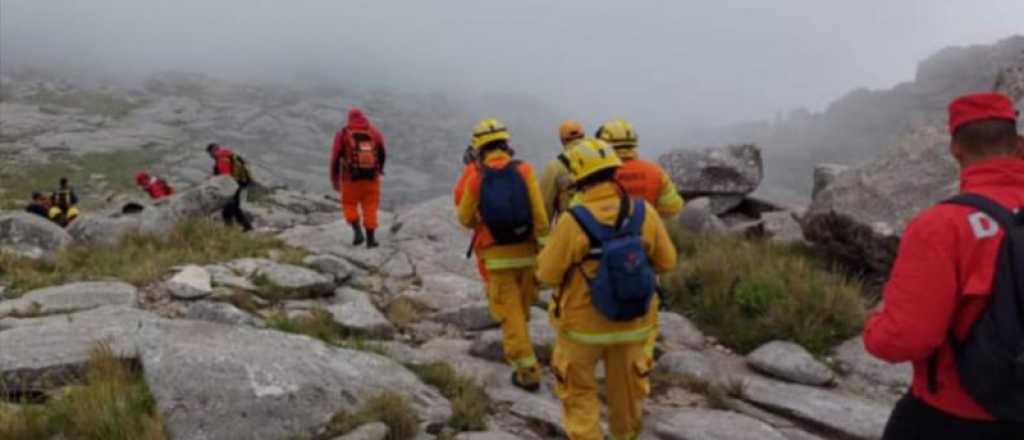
(689,363)
(300,282)
(471,317)
(706,424)
(353,310)
(212,381)
(731,170)
(337,267)
(98,230)
(851,416)
(191,282)
(538,408)
(791,362)
(70,298)
(370,431)
(697,216)
(202,200)
(221,312)
(489,435)
(782,226)
(854,359)
(44,353)
(31,236)
(677,331)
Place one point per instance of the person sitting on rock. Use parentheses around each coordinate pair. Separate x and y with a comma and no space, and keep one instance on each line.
(40,205)
(602,259)
(63,201)
(946,274)
(227,163)
(155,186)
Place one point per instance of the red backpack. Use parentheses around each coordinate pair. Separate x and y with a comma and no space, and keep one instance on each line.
(364,156)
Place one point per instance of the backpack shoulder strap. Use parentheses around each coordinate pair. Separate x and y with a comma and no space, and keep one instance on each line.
(633,225)
(596,232)
(1006,218)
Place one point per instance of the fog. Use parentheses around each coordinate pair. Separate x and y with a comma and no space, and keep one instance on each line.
(668,65)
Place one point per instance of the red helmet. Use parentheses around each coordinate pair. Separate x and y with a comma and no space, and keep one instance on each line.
(141,178)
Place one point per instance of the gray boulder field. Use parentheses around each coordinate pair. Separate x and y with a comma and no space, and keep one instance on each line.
(32,236)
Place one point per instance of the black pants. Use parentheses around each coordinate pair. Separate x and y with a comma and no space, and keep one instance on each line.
(913,419)
(233,210)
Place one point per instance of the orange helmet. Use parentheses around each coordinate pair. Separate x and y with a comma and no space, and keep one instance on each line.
(569,131)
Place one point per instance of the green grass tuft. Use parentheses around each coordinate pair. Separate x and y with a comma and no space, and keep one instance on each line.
(470,404)
(747,293)
(113,403)
(320,324)
(93,102)
(139,259)
(388,408)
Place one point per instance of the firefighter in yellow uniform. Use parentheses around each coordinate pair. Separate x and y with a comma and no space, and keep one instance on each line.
(555,181)
(585,335)
(507,268)
(640,178)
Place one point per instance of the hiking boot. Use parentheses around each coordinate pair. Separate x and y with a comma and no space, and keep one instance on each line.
(531,387)
(371,240)
(357,232)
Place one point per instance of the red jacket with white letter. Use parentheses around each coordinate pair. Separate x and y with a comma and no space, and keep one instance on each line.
(941,280)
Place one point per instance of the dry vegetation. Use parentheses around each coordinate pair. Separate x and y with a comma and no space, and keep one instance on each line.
(747,293)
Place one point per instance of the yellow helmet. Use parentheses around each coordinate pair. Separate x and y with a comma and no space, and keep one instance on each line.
(619,133)
(588,156)
(487,131)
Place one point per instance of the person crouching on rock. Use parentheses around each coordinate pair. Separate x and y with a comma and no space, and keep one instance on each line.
(952,304)
(40,205)
(357,162)
(156,187)
(228,163)
(63,201)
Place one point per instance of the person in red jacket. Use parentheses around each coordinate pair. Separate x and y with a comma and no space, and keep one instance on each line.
(227,163)
(155,186)
(942,279)
(357,162)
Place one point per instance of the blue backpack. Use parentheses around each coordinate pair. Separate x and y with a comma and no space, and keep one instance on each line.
(990,360)
(625,281)
(505,204)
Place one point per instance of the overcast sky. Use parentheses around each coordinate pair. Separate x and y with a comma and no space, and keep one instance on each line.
(662,63)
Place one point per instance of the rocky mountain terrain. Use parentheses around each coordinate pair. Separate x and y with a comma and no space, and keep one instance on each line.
(858,126)
(286,131)
(220,371)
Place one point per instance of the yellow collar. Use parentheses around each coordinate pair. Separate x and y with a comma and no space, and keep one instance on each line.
(626,153)
(601,191)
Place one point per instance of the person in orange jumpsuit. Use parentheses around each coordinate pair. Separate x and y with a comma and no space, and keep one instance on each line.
(357,162)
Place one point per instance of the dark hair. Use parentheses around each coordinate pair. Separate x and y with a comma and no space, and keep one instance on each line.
(63,181)
(605,175)
(36,195)
(210,147)
(987,137)
(499,144)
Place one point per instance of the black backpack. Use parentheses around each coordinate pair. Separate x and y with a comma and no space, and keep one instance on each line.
(505,204)
(990,360)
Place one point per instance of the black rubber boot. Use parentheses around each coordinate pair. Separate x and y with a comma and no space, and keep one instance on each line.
(357,232)
(371,240)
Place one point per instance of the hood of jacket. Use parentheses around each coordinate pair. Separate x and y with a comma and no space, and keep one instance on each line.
(356,119)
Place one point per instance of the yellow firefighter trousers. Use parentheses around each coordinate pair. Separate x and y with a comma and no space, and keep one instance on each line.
(511,293)
(626,369)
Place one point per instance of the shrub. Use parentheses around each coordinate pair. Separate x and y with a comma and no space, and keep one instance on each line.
(112,404)
(470,403)
(747,293)
(388,408)
(141,259)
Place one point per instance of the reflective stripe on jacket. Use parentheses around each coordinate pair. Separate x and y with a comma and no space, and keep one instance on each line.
(562,259)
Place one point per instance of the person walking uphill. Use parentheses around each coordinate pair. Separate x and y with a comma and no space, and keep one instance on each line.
(226,162)
(501,202)
(357,162)
(954,301)
(602,258)
(555,181)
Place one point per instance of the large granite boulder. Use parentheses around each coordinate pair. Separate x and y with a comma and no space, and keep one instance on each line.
(69,298)
(99,230)
(731,170)
(212,381)
(202,200)
(860,216)
(31,236)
